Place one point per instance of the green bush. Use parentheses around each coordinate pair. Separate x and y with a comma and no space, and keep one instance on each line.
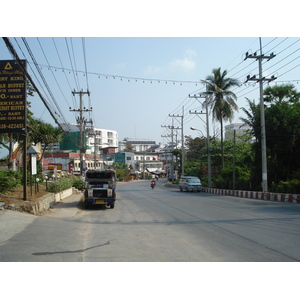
(78,184)
(9,180)
(289,187)
(65,183)
(60,185)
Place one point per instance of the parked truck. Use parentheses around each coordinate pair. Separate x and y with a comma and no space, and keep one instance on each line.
(100,188)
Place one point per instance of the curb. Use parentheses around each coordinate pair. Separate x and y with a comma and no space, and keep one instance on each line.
(278,197)
(43,203)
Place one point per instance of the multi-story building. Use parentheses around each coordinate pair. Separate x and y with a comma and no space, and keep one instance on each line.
(94,139)
(138,145)
(141,162)
(100,146)
(240,128)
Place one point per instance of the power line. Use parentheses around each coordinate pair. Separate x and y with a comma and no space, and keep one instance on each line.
(53,73)
(72,70)
(44,80)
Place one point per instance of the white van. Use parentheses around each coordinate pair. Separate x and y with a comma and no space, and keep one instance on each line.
(190,184)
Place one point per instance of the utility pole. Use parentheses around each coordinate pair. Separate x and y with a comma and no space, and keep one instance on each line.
(182,140)
(261,79)
(172,142)
(81,120)
(234,152)
(205,95)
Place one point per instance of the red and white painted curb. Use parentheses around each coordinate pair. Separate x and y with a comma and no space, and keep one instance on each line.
(290,198)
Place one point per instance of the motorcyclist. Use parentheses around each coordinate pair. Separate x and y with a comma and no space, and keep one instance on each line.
(153,183)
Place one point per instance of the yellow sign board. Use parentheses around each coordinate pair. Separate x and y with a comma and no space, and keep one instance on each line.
(12,96)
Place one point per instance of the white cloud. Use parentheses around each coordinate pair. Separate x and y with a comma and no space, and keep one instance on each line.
(185,64)
(120,65)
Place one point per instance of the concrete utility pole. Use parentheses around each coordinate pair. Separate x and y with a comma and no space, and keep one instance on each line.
(261,79)
(81,120)
(197,96)
(172,142)
(182,140)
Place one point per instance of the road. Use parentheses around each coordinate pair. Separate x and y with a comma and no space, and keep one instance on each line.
(160,225)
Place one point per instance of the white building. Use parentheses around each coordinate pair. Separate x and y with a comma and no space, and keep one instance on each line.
(98,139)
(240,128)
(138,145)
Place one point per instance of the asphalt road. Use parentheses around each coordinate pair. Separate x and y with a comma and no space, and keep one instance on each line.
(161,225)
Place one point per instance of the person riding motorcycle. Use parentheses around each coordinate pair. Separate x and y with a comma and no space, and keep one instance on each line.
(153,183)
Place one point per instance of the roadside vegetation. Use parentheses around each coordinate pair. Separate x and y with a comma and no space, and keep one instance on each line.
(236,164)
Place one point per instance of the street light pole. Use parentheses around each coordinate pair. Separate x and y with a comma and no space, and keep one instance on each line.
(205,95)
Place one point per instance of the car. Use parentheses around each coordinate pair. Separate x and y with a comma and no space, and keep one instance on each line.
(190,184)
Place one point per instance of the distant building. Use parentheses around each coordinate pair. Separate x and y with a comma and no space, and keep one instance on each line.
(240,128)
(95,139)
(141,162)
(100,145)
(138,145)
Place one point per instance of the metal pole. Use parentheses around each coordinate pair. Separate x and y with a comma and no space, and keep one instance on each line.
(172,151)
(208,141)
(81,135)
(233,173)
(182,144)
(263,127)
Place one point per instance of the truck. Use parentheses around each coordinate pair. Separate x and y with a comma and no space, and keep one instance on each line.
(100,188)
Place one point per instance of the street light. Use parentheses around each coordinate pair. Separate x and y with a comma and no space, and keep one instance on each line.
(46,178)
(208,156)
(37,184)
(193,128)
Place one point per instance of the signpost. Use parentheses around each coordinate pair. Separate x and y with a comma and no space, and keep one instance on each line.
(12,97)
(13,104)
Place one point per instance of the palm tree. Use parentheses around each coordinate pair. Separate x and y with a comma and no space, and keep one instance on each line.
(221,99)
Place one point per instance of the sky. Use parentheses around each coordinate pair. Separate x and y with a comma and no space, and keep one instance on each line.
(136,82)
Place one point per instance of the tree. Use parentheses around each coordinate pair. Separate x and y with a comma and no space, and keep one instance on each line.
(128,147)
(194,147)
(253,118)
(221,99)
(281,93)
(122,170)
(282,116)
(45,133)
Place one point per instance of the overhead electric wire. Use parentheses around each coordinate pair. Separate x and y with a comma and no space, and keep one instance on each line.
(87,81)
(44,81)
(36,77)
(52,72)
(72,70)
(72,96)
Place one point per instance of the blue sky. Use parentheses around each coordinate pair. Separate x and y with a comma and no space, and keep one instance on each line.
(136,82)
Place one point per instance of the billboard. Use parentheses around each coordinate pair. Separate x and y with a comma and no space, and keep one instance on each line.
(12,96)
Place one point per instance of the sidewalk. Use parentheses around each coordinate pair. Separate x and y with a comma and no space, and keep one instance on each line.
(13,222)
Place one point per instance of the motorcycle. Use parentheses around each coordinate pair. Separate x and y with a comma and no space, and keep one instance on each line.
(153,185)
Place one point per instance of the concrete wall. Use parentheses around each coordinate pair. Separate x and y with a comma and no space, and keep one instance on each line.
(44,203)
